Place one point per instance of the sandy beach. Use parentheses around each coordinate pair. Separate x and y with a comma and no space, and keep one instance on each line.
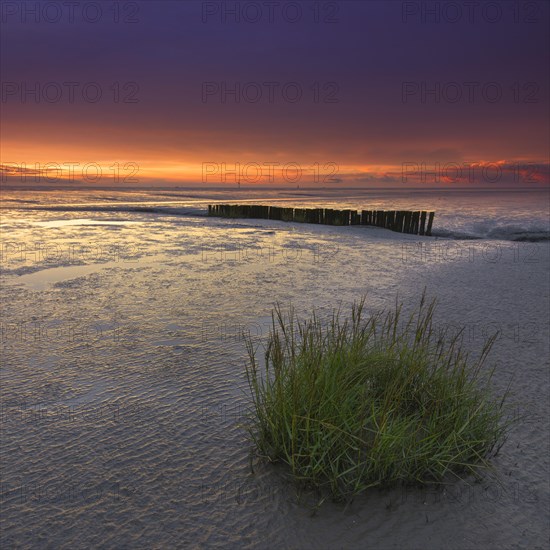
(123,389)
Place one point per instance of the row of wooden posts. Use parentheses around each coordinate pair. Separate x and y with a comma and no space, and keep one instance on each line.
(403,221)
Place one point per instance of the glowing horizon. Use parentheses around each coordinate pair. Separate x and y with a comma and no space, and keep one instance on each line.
(360,101)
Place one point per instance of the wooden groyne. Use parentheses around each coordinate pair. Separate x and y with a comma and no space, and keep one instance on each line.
(403,221)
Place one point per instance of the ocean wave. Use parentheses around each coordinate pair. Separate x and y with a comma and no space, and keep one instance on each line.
(501,232)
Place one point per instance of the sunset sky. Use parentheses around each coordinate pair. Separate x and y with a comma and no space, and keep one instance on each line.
(387,92)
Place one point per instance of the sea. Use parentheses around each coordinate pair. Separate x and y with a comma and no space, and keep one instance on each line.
(124,400)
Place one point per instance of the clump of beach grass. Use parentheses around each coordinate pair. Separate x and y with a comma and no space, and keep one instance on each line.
(364,402)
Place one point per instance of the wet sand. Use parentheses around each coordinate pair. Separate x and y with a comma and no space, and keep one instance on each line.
(123,390)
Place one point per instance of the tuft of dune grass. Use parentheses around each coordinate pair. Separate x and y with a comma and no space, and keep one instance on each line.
(364,402)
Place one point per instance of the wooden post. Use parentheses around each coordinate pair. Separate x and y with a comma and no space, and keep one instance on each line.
(430,221)
(422,222)
(415,220)
(402,228)
(287,214)
(299,215)
(391,220)
(407,223)
(313,215)
(403,221)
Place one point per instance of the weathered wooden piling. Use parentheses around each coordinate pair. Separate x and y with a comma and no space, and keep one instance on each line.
(422,223)
(341,217)
(430,221)
(299,215)
(275,213)
(312,215)
(415,222)
(403,221)
(402,226)
(407,222)
(287,214)
(390,224)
